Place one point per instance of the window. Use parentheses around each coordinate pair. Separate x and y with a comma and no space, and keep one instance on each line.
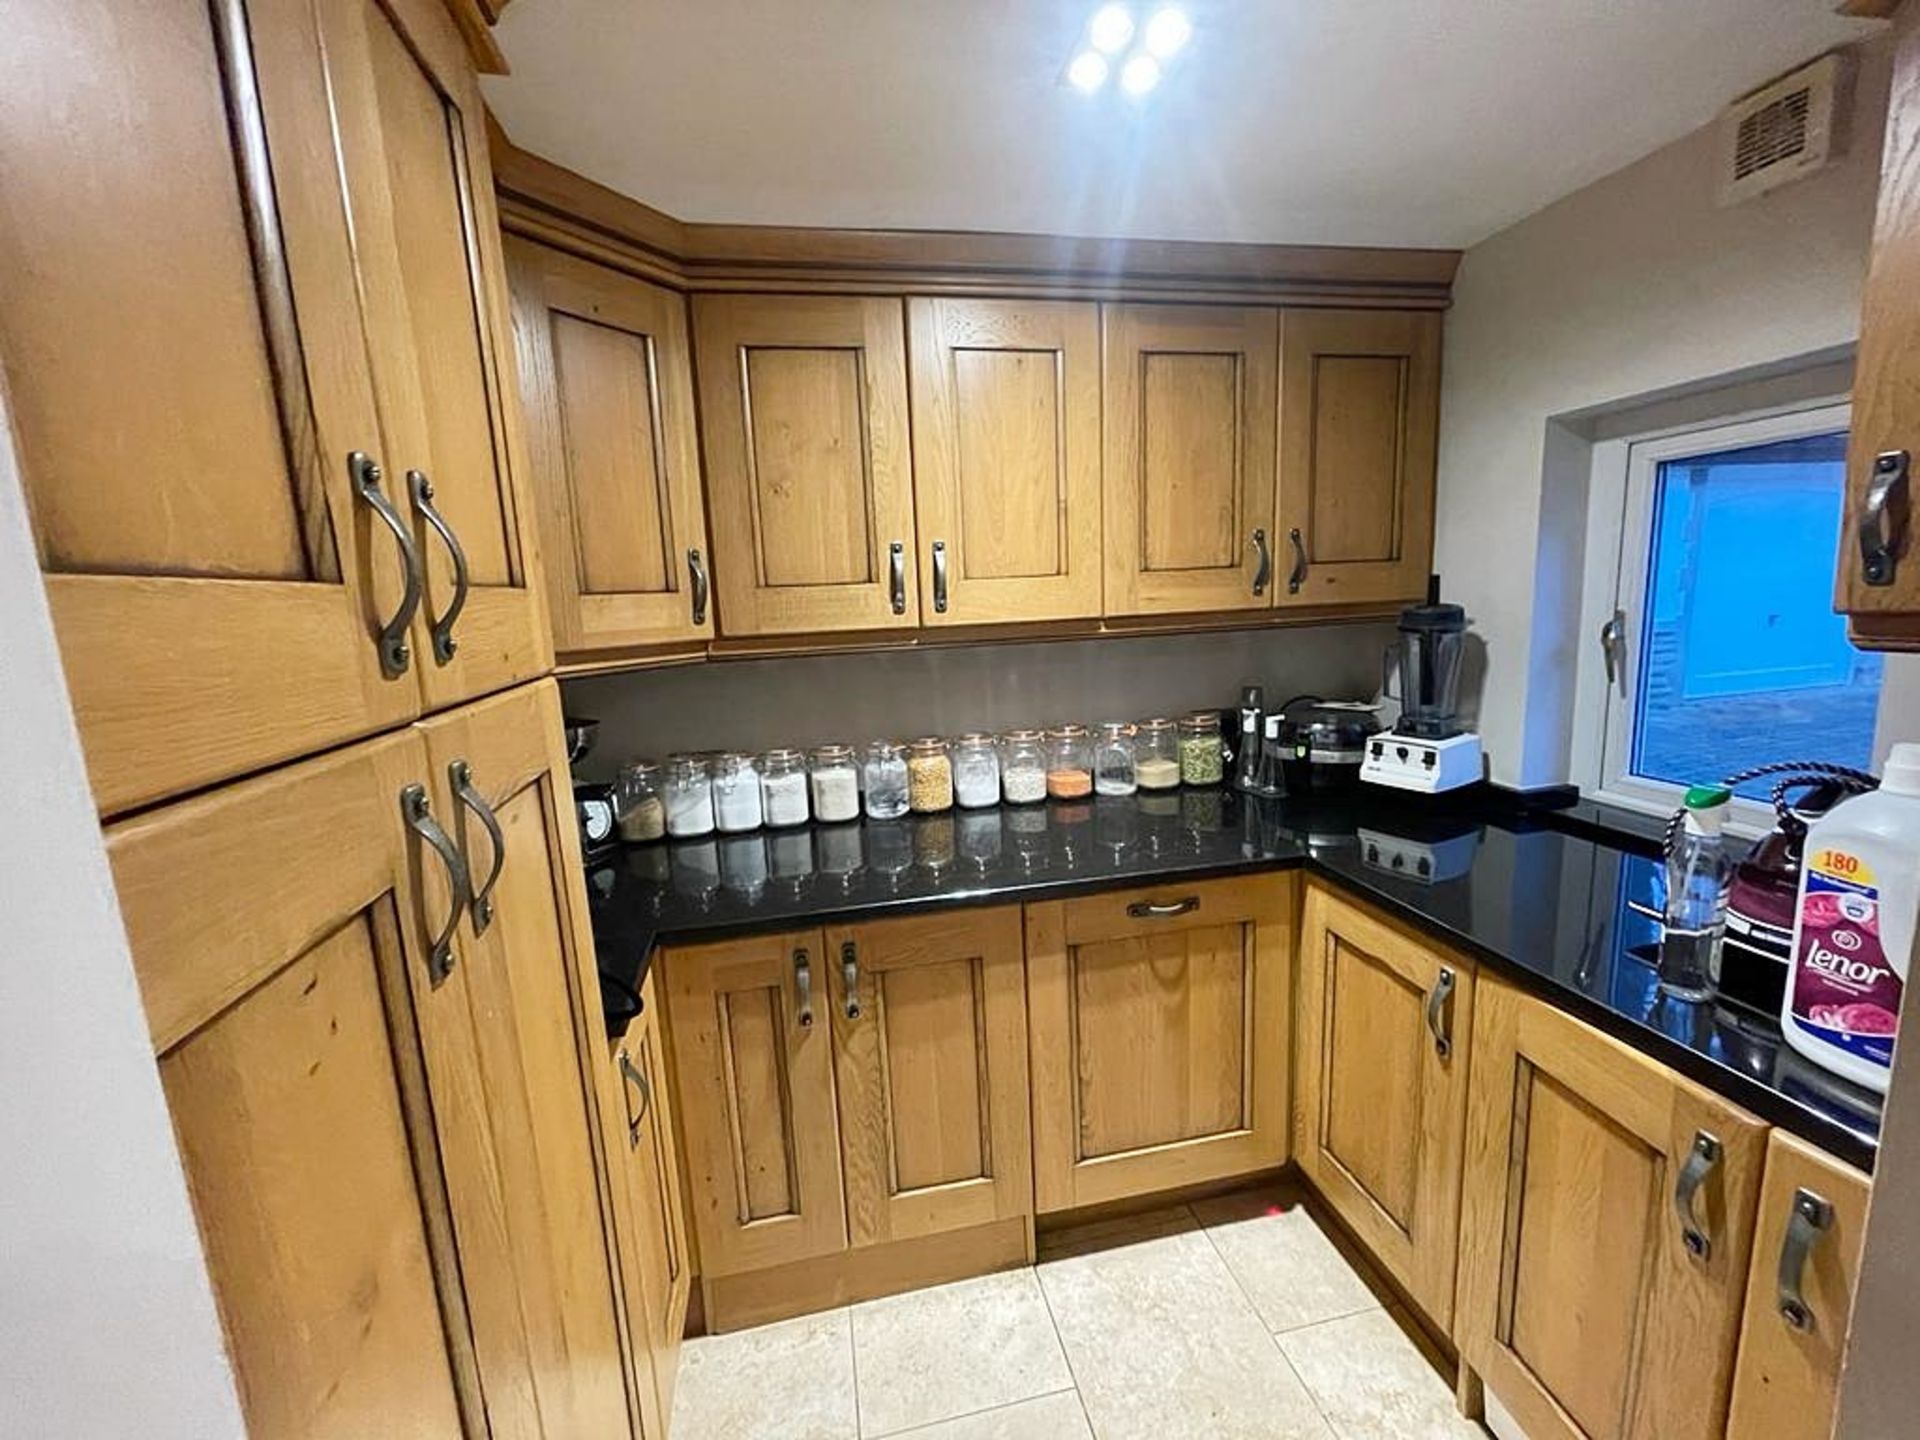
(1720,647)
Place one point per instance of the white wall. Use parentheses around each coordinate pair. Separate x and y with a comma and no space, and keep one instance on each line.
(1635,285)
(107,1316)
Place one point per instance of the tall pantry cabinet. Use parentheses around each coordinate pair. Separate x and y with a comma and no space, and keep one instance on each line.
(259,379)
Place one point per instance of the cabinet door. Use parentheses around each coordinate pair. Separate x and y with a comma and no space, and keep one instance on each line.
(1159,1037)
(512,1069)
(1359,419)
(1383,1041)
(1191,393)
(275,925)
(413,150)
(607,379)
(1806,1262)
(755,1073)
(1006,458)
(1587,1303)
(803,418)
(930,1055)
(217,587)
(640,1139)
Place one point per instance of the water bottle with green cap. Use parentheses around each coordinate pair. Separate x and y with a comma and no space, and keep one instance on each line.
(1698,872)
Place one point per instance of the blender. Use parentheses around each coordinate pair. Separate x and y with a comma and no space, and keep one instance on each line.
(1427,749)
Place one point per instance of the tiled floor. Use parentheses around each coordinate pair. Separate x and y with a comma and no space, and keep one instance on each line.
(1232,1319)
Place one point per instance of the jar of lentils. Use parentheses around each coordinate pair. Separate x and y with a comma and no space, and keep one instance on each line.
(1156,745)
(783,784)
(1200,748)
(884,772)
(1023,767)
(835,783)
(1114,760)
(1069,762)
(689,797)
(976,770)
(929,776)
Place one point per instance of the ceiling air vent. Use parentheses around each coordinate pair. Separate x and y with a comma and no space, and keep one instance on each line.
(1785,130)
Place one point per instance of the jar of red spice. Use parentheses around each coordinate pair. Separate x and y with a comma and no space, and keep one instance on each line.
(1069,762)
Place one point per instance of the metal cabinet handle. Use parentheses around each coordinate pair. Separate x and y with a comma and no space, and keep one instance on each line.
(1439,1019)
(1883,519)
(421,489)
(803,986)
(1157,910)
(460,775)
(1263,564)
(418,813)
(1701,1160)
(697,573)
(363,473)
(897,576)
(1613,642)
(1812,1217)
(850,975)
(940,577)
(635,1077)
(1298,576)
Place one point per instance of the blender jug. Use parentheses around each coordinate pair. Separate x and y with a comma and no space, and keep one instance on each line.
(1427,655)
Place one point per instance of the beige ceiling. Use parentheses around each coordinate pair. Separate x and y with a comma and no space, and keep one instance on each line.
(1377,122)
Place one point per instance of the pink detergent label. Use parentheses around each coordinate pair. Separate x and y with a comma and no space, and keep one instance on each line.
(1844,992)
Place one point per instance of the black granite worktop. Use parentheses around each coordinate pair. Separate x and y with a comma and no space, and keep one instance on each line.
(1563,910)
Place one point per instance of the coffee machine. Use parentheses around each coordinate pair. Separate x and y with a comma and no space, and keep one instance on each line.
(1427,750)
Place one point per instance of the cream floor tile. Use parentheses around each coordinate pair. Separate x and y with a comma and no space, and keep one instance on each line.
(1372,1381)
(1164,1344)
(788,1381)
(1051,1417)
(1290,1268)
(954,1349)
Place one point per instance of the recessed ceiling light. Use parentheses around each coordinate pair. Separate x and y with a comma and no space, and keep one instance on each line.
(1111,28)
(1139,75)
(1088,72)
(1168,31)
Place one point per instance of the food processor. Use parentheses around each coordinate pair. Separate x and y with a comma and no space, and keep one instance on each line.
(1426,750)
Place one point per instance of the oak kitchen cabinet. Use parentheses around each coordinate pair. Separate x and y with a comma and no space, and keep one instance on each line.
(193,371)
(379,1097)
(1608,1222)
(1383,1038)
(1006,452)
(1159,1029)
(1806,1259)
(606,374)
(803,420)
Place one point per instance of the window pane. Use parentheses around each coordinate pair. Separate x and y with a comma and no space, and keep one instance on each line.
(1743,660)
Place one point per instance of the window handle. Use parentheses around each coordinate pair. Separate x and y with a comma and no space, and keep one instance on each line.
(1613,648)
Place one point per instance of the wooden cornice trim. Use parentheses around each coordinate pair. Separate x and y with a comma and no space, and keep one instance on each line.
(475,20)
(550,203)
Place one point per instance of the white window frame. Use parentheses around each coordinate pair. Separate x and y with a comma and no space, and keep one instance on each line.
(1620,513)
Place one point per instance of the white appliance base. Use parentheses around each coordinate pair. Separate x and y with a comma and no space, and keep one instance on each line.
(1405,762)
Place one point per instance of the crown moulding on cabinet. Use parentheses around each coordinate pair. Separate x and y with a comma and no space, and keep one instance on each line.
(547,202)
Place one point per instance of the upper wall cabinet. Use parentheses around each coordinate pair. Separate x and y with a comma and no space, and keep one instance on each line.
(1359,415)
(1006,453)
(803,415)
(606,375)
(1189,457)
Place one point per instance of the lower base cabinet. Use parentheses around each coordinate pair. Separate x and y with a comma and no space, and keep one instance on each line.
(1608,1224)
(1159,1036)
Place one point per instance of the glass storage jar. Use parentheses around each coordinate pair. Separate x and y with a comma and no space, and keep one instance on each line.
(783,787)
(929,776)
(689,796)
(1069,762)
(736,793)
(1156,748)
(885,775)
(835,783)
(976,770)
(1023,767)
(1114,760)
(1200,748)
(639,807)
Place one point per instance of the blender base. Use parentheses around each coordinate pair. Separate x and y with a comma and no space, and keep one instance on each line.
(1408,762)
